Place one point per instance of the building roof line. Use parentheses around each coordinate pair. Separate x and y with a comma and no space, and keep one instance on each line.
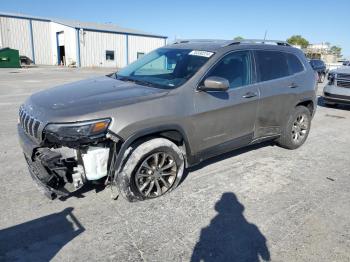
(90,26)
(121,33)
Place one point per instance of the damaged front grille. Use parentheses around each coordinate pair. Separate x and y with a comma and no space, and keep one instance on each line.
(30,125)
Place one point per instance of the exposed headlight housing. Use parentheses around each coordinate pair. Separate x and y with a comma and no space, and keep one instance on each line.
(79,131)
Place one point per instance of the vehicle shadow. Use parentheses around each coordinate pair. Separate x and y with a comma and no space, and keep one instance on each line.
(321,103)
(230,237)
(100,186)
(39,239)
(224,156)
(97,187)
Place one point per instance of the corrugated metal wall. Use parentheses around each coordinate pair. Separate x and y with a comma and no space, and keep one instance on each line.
(143,44)
(93,47)
(42,42)
(1,36)
(16,34)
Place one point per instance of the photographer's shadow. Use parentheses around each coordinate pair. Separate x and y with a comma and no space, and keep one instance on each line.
(230,237)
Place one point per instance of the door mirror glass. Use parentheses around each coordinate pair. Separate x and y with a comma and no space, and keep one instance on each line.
(215,83)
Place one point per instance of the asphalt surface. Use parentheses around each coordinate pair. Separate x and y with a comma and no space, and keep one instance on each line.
(260,203)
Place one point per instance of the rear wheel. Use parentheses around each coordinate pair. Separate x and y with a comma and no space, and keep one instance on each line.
(297,128)
(153,169)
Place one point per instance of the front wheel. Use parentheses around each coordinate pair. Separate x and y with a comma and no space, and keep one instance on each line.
(297,128)
(153,169)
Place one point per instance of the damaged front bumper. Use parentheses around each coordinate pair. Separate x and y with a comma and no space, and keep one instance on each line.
(36,169)
(41,177)
(58,174)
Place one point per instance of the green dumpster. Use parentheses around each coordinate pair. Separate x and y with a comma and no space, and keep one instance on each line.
(9,58)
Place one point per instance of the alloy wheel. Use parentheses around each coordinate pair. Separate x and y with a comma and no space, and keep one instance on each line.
(156,175)
(300,128)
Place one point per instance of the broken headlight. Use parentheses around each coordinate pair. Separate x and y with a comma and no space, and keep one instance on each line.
(79,130)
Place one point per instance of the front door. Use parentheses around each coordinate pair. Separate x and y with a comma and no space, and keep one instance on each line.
(225,120)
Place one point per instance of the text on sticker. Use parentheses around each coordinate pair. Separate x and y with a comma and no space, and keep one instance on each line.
(201,53)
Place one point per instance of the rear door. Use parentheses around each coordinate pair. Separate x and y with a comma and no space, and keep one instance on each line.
(279,81)
(225,120)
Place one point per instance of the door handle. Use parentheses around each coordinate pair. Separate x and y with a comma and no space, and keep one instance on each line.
(249,95)
(293,85)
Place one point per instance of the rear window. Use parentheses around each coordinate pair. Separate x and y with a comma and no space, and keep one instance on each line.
(294,64)
(273,64)
(316,62)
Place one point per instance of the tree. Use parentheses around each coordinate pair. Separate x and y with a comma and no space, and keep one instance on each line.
(298,40)
(238,38)
(335,50)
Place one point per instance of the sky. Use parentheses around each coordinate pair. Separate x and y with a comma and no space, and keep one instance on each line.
(316,20)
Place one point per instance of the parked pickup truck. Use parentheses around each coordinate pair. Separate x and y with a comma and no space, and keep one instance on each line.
(337,91)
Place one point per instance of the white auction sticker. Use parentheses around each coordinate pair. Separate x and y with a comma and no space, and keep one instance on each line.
(201,53)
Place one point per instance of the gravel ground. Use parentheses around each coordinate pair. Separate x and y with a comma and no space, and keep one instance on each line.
(260,203)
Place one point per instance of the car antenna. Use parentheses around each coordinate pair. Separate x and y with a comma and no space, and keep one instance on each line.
(265,35)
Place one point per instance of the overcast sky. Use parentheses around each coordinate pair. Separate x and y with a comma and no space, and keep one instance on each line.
(316,20)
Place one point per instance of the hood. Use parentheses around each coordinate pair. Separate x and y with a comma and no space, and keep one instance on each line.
(342,70)
(87,96)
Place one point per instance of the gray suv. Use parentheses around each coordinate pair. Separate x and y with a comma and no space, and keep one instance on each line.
(138,129)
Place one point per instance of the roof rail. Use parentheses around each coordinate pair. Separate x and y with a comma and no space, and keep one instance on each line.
(231,42)
(259,41)
(185,41)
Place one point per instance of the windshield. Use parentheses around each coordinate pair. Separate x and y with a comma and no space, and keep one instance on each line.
(165,68)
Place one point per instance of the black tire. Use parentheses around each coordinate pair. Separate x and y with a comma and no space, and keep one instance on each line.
(294,128)
(140,168)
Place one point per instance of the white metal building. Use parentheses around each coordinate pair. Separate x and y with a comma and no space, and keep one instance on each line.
(49,41)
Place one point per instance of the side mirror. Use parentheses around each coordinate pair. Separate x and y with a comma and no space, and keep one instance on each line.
(215,83)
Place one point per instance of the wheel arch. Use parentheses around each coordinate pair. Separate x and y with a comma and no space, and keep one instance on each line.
(309,104)
(173,133)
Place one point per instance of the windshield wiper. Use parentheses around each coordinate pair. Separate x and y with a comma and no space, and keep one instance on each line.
(139,82)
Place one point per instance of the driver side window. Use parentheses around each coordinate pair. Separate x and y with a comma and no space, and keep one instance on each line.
(234,67)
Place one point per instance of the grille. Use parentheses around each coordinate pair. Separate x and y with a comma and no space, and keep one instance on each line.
(337,96)
(342,83)
(29,124)
(343,76)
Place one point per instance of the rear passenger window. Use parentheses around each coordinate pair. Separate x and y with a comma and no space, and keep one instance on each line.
(294,64)
(271,65)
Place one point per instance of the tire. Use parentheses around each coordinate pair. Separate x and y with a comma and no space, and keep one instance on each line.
(296,130)
(141,178)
